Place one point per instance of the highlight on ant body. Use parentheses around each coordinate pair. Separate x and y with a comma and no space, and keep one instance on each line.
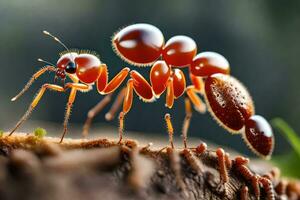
(142,45)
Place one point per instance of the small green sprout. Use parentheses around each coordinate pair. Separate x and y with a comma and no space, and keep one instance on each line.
(288,133)
(1,133)
(40,132)
(288,163)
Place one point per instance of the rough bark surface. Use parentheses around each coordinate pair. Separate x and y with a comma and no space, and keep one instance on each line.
(32,168)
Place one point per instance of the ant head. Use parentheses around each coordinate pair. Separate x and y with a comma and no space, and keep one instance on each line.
(67,63)
(209,63)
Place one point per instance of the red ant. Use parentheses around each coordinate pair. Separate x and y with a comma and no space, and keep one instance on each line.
(142,45)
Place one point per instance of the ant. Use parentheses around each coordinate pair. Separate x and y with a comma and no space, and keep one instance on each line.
(227,99)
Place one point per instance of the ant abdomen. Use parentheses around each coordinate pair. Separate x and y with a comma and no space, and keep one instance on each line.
(258,135)
(229,101)
(141,86)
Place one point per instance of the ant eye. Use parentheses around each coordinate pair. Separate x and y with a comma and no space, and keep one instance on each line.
(71,68)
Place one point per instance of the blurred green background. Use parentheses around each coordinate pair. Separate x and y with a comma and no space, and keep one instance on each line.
(259,38)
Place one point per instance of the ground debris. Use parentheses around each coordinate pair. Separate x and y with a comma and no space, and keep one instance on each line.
(40,168)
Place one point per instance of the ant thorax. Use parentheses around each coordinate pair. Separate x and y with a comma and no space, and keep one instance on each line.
(84,64)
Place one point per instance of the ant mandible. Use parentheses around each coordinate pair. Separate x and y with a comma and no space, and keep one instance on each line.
(228,101)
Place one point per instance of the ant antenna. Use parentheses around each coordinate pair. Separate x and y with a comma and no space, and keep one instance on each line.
(56,39)
(47,62)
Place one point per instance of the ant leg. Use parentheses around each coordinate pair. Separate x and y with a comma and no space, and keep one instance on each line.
(187,120)
(68,112)
(197,83)
(106,88)
(198,103)
(32,79)
(99,107)
(179,83)
(102,79)
(110,115)
(142,87)
(78,86)
(74,87)
(128,98)
(127,103)
(36,101)
(73,77)
(143,90)
(170,129)
(93,112)
(170,93)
